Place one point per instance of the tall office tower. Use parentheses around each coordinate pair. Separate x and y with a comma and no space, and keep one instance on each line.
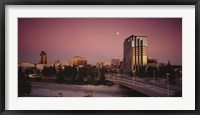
(135,53)
(43,58)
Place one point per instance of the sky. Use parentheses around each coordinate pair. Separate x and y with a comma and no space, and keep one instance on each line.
(97,39)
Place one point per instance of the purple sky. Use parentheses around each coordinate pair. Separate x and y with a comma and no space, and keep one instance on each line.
(96,38)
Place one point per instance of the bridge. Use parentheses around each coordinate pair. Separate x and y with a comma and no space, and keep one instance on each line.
(146,87)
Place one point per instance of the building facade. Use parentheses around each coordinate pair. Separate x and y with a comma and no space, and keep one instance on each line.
(43,58)
(101,64)
(115,63)
(135,53)
(79,61)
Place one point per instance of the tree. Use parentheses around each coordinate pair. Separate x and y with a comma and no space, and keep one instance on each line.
(103,71)
(49,70)
(60,76)
(82,72)
(27,71)
(53,70)
(142,72)
(162,70)
(92,71)
(151,71)
(70,72)
(24,85)
(46,71)
(171,71)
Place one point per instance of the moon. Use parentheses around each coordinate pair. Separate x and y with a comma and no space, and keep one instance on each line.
(117,33)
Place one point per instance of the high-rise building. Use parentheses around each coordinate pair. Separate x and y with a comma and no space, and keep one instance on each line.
(135,53)
(115,63)
(121,66)
(78,60)
(43,58)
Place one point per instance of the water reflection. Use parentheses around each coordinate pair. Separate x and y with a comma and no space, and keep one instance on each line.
(40,89)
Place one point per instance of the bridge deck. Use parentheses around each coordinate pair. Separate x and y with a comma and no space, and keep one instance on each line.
(144,87)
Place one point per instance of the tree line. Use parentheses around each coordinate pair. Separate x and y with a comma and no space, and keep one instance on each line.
(71,74)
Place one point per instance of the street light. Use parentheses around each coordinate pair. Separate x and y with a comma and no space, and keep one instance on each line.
(167,83)
(154,75)
(118,72)
(180,78)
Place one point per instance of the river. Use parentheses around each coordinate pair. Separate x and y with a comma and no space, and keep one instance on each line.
(40,89)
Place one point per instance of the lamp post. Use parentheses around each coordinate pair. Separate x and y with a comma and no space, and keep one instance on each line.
(133,76)
(154,75)
(117,76)
(180,78)
(167,74)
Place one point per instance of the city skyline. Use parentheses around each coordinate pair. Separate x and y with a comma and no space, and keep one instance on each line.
(97,39)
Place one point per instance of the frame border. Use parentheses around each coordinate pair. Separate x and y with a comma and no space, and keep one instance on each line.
(3,3)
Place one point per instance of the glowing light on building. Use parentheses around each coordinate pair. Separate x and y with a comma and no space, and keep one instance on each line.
(78,60)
